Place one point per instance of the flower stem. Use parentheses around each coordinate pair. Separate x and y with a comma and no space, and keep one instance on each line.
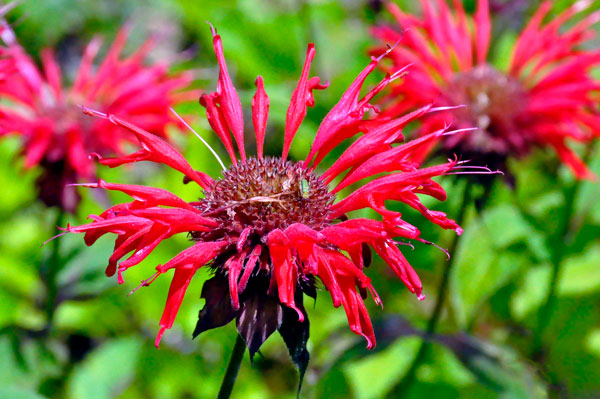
(52,269)
(403,385)
(237,354)
(563,239)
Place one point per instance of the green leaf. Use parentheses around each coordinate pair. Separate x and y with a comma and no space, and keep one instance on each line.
(369,380)
(19,393)
(492,250)
(503,48)
(581,274)
(498,368)
(531,292)
(106,371)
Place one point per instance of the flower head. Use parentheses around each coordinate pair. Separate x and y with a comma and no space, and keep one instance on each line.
(56,135)
(546,96)
(270,227)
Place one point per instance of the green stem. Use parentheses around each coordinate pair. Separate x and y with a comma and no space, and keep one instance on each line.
(237,354)
(52,269)
(401,388)
(562,241)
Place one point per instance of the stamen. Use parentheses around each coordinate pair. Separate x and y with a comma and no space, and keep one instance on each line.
(462,166)
(90,185)
(200,137)
(145,283)
(400,73)
(444,250)
(453,132)
(447,108)
(472,170)
(390,48)
(52,238)
(499,172)
(408,244)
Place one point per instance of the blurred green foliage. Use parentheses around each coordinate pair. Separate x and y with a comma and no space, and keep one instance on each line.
(101,344)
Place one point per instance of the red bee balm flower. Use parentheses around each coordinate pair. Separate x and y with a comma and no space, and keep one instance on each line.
(57,136)
(270,227)
(546,96)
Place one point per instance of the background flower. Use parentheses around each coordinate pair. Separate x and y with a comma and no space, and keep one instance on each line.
(55,134)
(546,95)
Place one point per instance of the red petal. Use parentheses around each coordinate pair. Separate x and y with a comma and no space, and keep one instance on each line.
(86,64)
(376,141)
(198,254)
(76,153)
(483,29)
(52,71)
(233,266)
(301,98)
(284,269)
(398,263)
(348,111)
(179,284)
(219,125)
(249,267)
(154,149)
(227,97)
(149,196)
(260,114)
(397,158)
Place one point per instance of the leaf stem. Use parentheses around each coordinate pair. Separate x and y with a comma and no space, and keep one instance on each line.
(403,385)
(237,354)
(52,269)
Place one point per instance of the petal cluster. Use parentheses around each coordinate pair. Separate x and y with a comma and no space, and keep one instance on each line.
(46,113)
(546,97)
(269,228)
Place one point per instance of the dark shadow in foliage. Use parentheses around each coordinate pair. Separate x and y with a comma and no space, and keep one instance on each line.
(496,368)
(260,314)
(295,335)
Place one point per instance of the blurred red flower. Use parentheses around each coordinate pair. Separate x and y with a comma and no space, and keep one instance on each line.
(46,114)
(546,96)
(269,227)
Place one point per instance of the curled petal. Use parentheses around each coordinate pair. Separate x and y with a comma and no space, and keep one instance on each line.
(346,113)
(217,122)
(179,284)
(397,186)
(154,149)
(374,142)
(198,254)
(284,269)
(149,196)
(234,266)
(398,263)
(345,277)
(249,267)
(227,98)
(390,160)
(301,98)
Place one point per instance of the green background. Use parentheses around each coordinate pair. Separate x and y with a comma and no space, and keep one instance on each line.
(101,344)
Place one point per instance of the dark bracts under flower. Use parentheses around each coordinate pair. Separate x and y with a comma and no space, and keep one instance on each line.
(270,228)
(547,96)
(56,135)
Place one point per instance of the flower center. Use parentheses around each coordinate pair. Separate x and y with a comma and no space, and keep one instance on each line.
(266,194)
(493,100)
